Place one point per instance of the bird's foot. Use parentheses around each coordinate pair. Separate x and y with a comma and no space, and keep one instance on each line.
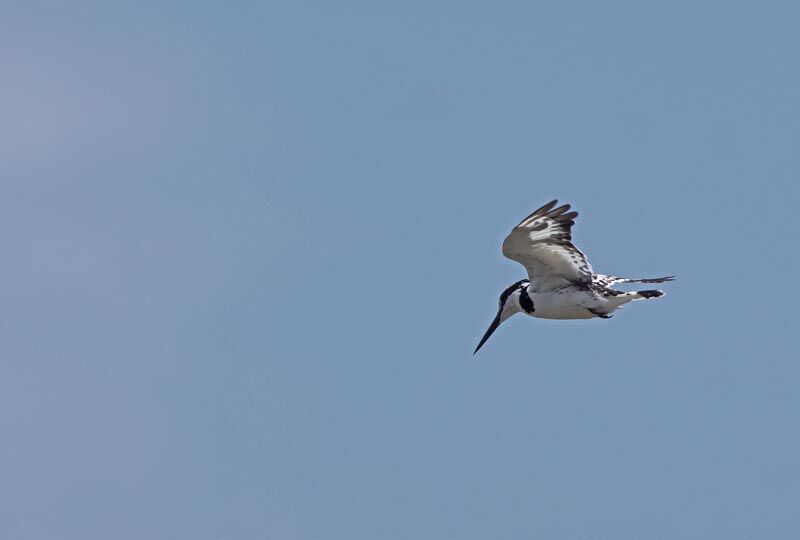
(601,314)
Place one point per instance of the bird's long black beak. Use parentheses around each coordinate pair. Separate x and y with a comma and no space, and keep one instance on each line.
(490,331)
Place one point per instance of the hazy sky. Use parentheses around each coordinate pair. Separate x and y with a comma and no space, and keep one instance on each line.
(248,249)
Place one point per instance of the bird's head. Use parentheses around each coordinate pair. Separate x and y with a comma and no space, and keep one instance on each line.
(509,305)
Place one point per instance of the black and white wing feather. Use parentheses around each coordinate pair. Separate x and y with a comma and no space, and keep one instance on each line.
(542,243)
(602,280)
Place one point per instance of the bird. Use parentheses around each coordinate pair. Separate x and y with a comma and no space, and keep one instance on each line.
(561,283)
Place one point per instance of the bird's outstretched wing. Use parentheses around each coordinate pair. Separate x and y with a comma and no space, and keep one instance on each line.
(542,243)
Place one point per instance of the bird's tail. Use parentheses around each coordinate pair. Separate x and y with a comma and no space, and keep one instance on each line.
(655,293)
(621,298)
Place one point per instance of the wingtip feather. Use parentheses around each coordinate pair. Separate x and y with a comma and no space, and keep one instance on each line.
(546,208)
(558,211)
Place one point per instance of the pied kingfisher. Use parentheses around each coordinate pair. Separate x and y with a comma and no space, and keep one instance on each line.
(561,283)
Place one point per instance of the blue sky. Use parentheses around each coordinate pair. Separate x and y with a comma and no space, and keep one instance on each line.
(249,248)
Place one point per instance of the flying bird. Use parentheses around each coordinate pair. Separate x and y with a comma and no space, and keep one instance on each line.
(561,283)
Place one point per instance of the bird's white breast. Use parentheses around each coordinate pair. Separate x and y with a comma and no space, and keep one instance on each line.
(563,304)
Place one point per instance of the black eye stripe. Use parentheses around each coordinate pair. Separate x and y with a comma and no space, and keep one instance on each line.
(506,293)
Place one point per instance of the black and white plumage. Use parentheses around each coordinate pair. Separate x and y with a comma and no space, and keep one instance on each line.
(561,283)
